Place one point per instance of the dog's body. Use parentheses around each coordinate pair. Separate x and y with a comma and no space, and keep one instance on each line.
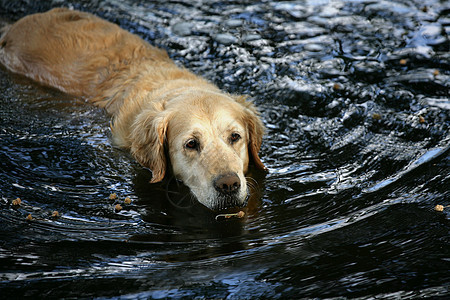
(158,109)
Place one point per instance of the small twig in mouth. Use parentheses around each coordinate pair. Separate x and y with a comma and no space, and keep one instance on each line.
(239,215)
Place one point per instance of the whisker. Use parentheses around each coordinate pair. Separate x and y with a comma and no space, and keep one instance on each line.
(252,184)
(251,179)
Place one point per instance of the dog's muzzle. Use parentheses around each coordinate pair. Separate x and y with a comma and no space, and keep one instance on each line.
(228,188)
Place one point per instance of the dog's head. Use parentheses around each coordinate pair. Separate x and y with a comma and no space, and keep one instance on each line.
(209,137)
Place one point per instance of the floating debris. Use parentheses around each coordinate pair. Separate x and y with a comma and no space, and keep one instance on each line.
(376,116)
(16,202)
(440,207)
(337,87)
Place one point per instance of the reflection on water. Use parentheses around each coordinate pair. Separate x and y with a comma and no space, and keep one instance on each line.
(354,95)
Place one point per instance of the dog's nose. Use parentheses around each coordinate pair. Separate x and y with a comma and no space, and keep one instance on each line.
(228,183)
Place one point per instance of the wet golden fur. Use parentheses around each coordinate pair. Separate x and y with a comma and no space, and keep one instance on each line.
(156,107)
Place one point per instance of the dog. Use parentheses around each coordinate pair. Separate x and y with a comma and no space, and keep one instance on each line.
(167,117)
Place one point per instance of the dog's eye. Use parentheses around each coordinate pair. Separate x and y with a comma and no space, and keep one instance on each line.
(192,144)
(235,137)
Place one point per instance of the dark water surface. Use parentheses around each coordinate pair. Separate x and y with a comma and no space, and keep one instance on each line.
(355,97)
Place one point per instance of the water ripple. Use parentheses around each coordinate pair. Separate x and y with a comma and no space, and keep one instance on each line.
(354,95)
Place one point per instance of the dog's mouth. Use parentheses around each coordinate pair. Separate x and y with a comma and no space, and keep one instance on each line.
(224,203)
(181,196)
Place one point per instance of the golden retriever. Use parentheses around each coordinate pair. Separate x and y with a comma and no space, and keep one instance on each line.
(166,116)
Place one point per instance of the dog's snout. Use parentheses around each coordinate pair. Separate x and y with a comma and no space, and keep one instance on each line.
(228,183)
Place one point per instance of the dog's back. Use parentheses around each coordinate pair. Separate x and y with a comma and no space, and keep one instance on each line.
(75,52)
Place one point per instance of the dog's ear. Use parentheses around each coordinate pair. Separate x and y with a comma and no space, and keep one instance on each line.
(255,129)
(148,139)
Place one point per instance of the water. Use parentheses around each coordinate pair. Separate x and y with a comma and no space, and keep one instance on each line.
(355,97)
